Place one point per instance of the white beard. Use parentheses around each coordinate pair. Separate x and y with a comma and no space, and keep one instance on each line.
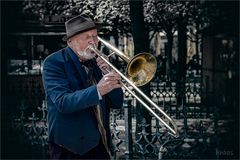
(85,54)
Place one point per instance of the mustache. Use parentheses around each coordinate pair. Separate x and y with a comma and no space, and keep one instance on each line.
(86,54)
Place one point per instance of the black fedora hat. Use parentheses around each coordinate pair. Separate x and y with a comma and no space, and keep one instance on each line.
(78,24)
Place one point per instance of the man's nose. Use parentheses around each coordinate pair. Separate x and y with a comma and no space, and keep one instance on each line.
(93,41)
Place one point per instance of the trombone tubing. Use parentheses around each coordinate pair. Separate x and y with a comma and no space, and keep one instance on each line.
(118,52)
(174,131)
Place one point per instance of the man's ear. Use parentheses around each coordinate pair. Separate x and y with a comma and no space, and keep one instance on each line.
(69,42)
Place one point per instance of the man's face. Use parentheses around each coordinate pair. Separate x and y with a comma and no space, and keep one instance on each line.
(82,41)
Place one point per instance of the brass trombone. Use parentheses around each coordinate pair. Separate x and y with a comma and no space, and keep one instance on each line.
(140,70)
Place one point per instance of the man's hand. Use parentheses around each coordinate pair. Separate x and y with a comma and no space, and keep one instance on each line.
(109,82)
(103,65)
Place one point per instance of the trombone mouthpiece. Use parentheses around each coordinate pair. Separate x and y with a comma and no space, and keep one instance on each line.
(92,46)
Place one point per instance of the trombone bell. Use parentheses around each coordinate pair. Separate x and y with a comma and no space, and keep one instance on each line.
(141,68)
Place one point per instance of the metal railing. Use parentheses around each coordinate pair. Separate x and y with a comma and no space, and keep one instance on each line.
(132,138)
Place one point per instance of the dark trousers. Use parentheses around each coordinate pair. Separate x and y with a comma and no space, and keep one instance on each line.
(58,152)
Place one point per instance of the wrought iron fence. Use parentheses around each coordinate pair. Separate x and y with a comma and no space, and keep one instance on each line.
(199,128)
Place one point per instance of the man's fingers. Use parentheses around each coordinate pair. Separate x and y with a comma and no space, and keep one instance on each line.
(100,61)
(109,82)
(113,75)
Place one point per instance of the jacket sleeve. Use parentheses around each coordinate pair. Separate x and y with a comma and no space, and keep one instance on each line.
(116,98)
(57,89)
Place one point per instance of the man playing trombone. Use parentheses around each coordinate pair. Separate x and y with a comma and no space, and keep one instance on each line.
(79,93)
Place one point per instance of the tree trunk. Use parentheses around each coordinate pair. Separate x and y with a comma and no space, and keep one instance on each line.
(181,64)
(169,54)
(140,35)
(141,44)
(197,47)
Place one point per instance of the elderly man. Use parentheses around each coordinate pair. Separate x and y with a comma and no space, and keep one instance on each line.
(79,93)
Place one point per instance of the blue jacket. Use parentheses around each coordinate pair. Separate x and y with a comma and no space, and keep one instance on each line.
(70,98)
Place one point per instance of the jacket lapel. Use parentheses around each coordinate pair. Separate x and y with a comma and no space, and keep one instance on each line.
(75,67)
(76,70)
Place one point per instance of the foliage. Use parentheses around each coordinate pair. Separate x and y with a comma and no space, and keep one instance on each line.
(159,15)
(164,15)
(114,15)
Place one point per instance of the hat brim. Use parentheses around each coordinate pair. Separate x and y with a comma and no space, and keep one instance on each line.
(98,26)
